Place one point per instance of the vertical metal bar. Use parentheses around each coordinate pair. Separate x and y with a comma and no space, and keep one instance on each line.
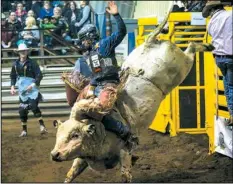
(198,90)
(42,47)
(210,97)
(216,90)
(175,93)
(177,99)
(175,110)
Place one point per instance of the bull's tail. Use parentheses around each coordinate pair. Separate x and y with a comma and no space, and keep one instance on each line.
(152,36)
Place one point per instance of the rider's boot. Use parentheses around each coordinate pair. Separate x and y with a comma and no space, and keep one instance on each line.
(111,124)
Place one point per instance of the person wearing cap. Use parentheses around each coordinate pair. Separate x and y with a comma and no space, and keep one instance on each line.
(220,29)
(26,75)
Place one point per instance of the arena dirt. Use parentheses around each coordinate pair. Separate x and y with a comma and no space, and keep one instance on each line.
(161,158)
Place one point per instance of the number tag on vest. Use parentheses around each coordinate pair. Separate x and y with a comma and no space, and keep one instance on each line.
(96,63)
(107,62)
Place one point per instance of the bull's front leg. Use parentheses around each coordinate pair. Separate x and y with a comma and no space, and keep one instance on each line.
(126,166)
(79,165)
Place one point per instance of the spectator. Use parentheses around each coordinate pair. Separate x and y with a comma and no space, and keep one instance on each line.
(21,14)
(47,10)
(85,15)
(36,7)
(31,13)
(48,23)
(220,28)
(62,27)
(27,5)
(66,8)
(30,37)
(4,34)
(58,4)
(26,75)
(72,15)
(10,35)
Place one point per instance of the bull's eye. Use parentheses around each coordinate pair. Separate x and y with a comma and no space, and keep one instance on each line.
(75,136)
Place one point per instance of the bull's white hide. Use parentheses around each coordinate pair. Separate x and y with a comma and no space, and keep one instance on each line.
(164,66)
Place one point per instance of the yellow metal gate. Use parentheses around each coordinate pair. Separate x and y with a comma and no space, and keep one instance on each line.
(184,108)
(192,106)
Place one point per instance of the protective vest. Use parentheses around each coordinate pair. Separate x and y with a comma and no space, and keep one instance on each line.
(24,71)
(103,68)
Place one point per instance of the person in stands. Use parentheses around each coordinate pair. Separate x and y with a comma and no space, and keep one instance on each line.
(12,27)
(85,12)
(47,10)
(72,15)
(21,14)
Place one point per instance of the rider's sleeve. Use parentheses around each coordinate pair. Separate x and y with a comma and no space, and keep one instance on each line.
(107,45)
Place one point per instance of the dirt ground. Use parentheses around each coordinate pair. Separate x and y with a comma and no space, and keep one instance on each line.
(161,159)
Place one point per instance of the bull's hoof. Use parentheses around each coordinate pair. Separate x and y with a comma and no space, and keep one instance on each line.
(67,181)
(132,142)
(126,179)
(134,159)
(209,47)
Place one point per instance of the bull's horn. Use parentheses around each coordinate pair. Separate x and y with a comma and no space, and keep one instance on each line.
(152,36)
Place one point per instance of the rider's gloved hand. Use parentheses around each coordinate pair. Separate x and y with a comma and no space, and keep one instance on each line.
(90,92)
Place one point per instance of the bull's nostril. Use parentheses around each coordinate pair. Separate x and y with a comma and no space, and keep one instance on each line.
(55,155)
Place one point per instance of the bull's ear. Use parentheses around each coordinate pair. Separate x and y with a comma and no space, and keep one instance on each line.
(90,129)
(57,123)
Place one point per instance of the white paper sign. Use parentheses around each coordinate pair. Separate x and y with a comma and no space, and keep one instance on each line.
(223,137)
(197,19)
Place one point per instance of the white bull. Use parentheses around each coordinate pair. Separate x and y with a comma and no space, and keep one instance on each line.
(154,69)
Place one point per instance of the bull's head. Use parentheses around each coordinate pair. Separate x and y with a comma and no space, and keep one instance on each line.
(76,139)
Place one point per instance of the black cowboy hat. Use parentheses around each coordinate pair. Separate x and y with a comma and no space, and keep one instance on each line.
(209,5)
